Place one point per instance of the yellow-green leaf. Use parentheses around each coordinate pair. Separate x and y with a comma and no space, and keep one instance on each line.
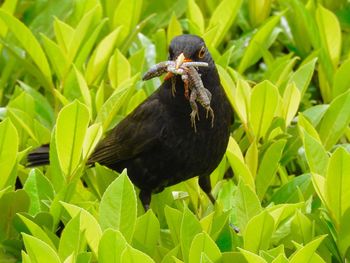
(72,122)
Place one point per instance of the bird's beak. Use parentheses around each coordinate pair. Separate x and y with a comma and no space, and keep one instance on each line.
(181,59)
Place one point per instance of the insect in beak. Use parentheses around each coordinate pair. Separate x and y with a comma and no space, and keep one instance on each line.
(178,63)
(179,60)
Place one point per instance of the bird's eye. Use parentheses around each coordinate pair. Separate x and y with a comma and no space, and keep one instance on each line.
(201,52)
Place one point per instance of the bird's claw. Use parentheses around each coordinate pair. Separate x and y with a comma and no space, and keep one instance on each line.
(211,112)
(193,115)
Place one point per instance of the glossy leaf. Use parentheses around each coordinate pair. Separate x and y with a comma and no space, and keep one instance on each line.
(337,180)
(341,79)
(25,36)
(335,120)
(330,32)
(8,151)
(111,246)
(263,103)
(221,21)
(316,155)
(202,243)
(39,251)
(72,239)
(127,15)
(268,167)
(258,232)
(291,100)
(119,69)
(174,28)
(100,56)
(195,15)
(258,11)
(72,122)
(258,43)
(131,255)
(88,225)
(306,253)
(118,207)
(39,189)
(190,227)
(146,241)
(247,205)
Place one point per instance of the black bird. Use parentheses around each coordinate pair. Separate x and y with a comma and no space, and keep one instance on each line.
(156,142)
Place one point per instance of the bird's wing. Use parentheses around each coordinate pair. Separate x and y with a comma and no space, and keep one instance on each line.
(135,134)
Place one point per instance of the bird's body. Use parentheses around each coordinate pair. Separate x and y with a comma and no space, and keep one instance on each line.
(156,142)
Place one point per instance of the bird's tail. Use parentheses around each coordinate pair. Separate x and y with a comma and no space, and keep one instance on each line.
(39,156)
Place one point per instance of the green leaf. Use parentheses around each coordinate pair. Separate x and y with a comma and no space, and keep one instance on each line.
(173,218)
(202,243)
(146,241)
(131,255)
(242,99)
(86,47)
(306,253)
(29,43)
(263,104)
(291,100)
(39,251)
(258,44)
(57,58)
(23,120)
(8,151)
(341,79)
(316,155)
(258,11)
(99,58)
(72,239)
(288,194)
(268,167)
(88,225)
(114,103)
(236,160)
(251,157)
(39,189)
(251,257)
(247,205)
(64,34)
(82,31)
(72,122)
(258,232)
(337,182)
(229,86)
(84,89)
(221,20)
(335,120)
(344,233)
(36,231)
(190,227)
(10,204)
(174,28)
(119,69)
(92,137)
(127,14)
(305,124)
(302,76)
(330,32)
(118,206)
(194,14)
(301,228)
(111,246)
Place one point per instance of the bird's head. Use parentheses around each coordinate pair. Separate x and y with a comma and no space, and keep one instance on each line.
(186,48)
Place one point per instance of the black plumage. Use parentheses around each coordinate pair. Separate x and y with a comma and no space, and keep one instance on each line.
(156,142)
